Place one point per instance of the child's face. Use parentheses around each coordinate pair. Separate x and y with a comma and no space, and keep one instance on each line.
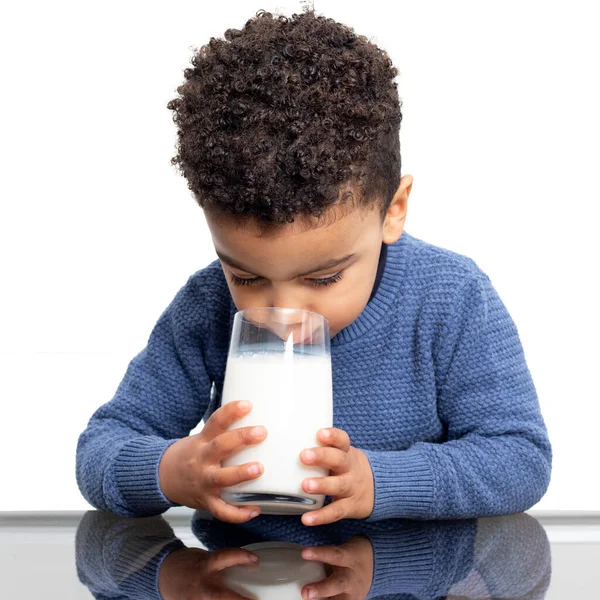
(280,268)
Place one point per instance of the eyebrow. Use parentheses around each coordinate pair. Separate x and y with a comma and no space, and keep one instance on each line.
(326,265)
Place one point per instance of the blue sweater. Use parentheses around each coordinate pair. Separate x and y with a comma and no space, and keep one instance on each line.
(430,382)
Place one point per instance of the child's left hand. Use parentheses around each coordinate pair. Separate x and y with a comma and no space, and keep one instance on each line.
(350,483)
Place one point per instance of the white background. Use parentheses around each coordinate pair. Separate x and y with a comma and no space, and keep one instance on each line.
(98,232)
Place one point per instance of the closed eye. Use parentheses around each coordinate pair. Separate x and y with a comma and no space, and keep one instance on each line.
(316,282)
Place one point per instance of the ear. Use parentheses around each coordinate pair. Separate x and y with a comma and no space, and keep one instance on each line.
(393,225)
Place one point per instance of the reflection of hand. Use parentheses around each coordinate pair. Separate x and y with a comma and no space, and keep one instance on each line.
(350,484)
(197,573)
(349,570)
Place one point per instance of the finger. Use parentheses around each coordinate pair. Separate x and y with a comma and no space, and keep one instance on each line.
(223,418)
(340,486)
(338,582)
(333,555)
(335,437)
(232,441)
(220,477)
(331,513)
(229,557)
(228,513)
(331,458)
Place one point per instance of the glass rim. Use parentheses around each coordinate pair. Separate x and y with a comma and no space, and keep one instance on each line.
(282,308)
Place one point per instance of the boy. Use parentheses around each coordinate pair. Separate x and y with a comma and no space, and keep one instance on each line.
(289,139)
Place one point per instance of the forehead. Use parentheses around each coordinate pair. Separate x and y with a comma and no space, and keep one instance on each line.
(338,232)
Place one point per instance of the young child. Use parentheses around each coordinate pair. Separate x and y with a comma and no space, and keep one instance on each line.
(289,140)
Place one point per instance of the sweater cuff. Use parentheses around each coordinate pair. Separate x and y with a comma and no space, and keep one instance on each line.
(136,473)
(143,581)
(402,562)
(403,481)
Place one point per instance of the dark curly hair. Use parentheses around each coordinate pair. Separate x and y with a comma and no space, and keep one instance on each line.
(280,117)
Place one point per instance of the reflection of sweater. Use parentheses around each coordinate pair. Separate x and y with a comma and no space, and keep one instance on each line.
(498,557)
(430,382)
(491,557)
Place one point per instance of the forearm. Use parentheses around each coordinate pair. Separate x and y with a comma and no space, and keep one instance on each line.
(117,469)
(119,557)
(471,477)
(162,397)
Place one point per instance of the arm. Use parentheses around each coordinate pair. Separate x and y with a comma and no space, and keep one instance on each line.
(497,457)
(118,557)
(498,557)
(162,397)
(421,558)
(512,560)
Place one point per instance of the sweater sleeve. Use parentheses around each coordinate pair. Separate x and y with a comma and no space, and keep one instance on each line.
(117,557)
(162,397)
(497,456)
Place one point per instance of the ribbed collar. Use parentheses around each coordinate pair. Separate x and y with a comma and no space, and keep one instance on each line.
(374,313)
(389,287)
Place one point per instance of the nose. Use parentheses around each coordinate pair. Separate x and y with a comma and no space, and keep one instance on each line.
(288,322)
(287,315)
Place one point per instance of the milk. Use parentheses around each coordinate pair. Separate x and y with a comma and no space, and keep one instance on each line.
(280,574)
(292,397)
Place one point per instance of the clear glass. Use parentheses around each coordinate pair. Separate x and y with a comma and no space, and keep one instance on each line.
(280,360)
(280,574)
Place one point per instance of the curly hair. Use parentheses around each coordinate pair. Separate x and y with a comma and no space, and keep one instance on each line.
(286,115)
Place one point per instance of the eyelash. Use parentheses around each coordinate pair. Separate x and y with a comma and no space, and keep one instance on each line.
(316,282)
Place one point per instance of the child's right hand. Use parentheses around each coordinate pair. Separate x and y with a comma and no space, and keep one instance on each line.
(190,471)
(197,573)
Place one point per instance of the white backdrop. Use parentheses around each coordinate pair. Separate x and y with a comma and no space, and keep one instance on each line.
(98,231)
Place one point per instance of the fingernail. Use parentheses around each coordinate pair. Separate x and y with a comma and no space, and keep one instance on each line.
(312,593)
(254,469)
(258,431)
(325,433)
(309,454)
(308,554)
(311,485)
(254,513)
(245,404)
(254,558)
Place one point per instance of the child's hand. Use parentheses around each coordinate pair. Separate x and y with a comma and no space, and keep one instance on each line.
(197,573)
(350,483)
(349,570)
(190,471)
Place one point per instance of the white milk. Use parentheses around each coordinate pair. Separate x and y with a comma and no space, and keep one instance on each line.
(292,397)
(280,575)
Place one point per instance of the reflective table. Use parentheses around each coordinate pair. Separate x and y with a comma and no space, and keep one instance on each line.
(188,554)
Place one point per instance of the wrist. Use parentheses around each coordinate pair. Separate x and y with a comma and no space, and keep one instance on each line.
(367,486)
(167,475)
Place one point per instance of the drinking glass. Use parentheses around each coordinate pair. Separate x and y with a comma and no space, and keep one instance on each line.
(280,575)
(280,360)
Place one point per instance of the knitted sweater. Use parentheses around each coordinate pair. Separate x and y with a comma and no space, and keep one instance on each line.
(430,382)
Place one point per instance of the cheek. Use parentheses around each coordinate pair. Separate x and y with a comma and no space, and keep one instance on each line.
(343,307)
(242,297)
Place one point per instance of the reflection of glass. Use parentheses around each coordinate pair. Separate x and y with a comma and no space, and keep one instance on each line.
(279,358)
(280,574)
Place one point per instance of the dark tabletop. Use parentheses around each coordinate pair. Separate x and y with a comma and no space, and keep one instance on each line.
(190,555)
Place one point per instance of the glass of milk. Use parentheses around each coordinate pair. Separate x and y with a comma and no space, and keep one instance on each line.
(280,360)
(280,575)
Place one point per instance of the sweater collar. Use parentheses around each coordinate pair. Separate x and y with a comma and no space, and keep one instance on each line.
(375,312)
